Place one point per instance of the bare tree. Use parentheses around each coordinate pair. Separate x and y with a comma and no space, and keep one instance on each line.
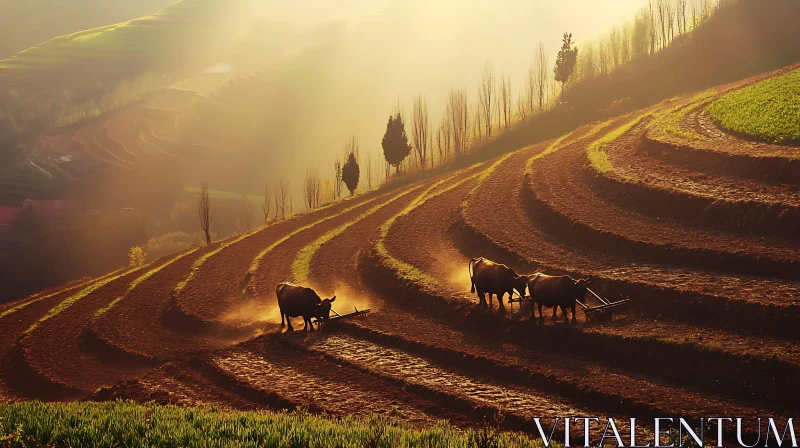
(204,211)
(486,90)
(603,57)
(626,44)
(522,106)
(457,115)
(681,16)
(443,139)
(337,182)
(420,131)
(477,120)
(541,72)
(505,101)
(587,62)
(247,213)
(670,16)
(662,8)
(312,189)
(705,10)
(265,205)
(652,27)
(615,47)
(369,171)
(282,200)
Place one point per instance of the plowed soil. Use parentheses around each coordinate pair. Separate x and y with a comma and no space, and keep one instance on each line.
(713,326)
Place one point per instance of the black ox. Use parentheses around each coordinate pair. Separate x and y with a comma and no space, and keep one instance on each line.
(557,292)
(493,278)
(295,300)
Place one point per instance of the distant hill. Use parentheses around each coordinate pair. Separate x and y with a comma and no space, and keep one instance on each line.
(29,23)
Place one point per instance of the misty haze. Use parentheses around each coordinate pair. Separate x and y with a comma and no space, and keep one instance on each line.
(404,221)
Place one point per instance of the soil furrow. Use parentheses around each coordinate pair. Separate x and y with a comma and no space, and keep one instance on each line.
(213,297)
(276,266)
(182,383)
(48,360)
(133,325)
(16,320)
(716,152)
(397,324)
(453,274)
(304,379)
(652,185)
(767,306)
(428,378)
(527,247)
(559,187)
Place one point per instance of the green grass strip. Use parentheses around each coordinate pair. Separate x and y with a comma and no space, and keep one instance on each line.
(136,283)
(39,297)
(301,268)
(598,157)
(257,260)
(128,424)
(71,300)
(409,271)
(555,146)
(199,262)
(670,122)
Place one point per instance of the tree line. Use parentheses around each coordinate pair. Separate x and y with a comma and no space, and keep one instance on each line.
(411,143)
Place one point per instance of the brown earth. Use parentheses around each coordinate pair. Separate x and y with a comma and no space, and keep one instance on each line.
(717,303)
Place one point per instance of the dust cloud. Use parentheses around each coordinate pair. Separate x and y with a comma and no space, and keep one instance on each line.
(456,269)
(254,310)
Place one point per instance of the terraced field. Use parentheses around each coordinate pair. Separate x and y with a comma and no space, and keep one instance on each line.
(112,52)
(697,226)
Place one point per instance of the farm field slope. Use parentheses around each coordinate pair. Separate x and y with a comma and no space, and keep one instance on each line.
(695,224)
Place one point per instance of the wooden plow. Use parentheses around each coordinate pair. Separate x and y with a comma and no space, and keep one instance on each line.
(336,316)
(605,311)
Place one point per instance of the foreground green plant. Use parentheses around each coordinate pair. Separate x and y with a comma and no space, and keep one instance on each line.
(128,424)
(768,110)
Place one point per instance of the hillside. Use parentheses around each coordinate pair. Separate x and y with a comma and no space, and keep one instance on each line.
(696,225)
(112,52)
(29,23)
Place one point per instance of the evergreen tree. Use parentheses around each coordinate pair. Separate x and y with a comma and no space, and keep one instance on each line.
(351,173)
(565,61)
(395,142)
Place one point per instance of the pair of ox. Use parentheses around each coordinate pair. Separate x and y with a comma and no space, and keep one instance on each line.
(295,300)
(556,291)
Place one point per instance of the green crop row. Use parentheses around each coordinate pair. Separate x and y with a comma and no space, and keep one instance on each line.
(768,110)
(136,283)
(596,152)
(301,268)
(71,300)
(127,424)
